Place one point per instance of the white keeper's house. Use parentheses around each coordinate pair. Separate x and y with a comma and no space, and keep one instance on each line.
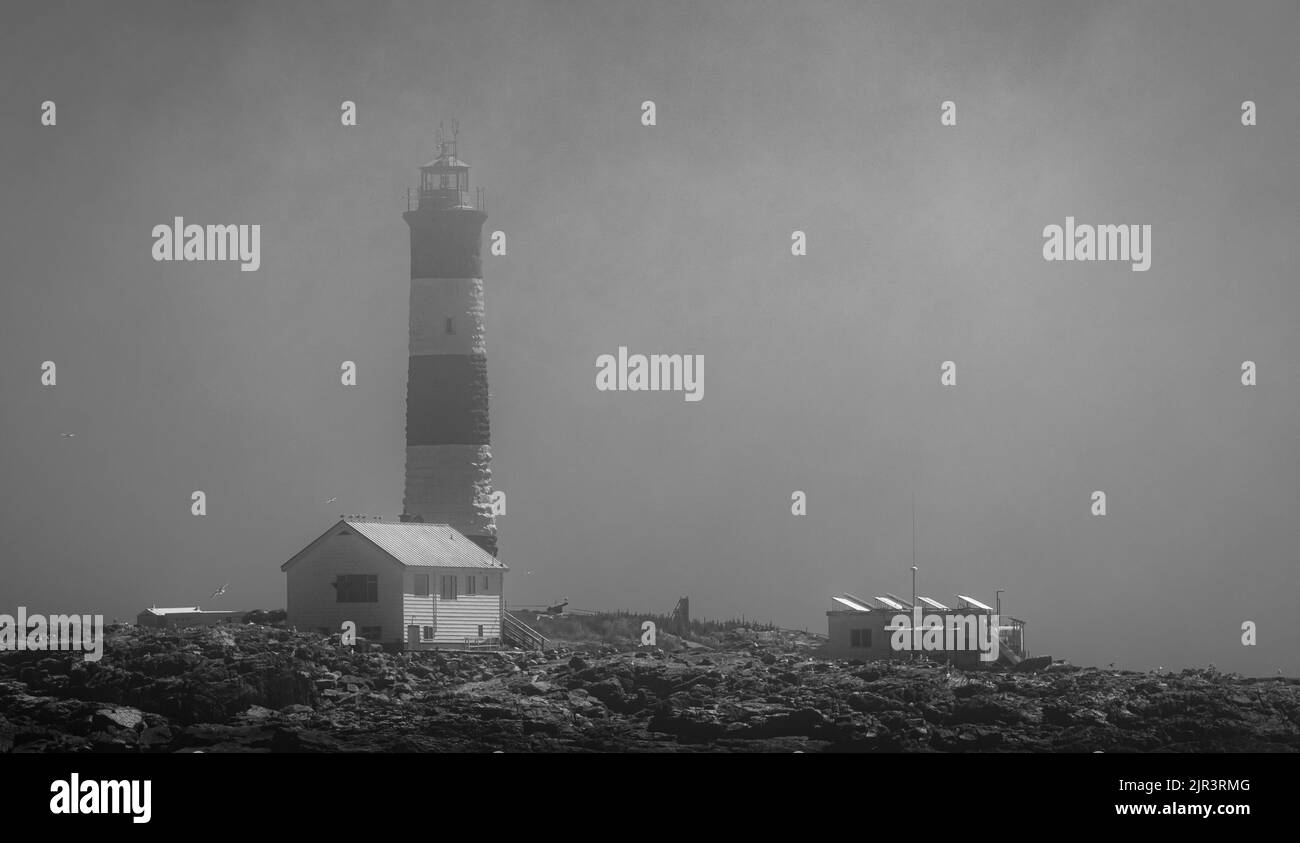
(406,585)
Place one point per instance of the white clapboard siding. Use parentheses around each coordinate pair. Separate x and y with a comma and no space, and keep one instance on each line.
(459,619)
(311,599)
(454,620)
(418,610)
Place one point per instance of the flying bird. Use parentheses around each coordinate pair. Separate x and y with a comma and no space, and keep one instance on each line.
(331,500)
(220,591)
(68,435)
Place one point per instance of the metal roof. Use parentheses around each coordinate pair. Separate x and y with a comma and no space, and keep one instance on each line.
(425,545)
(188,610)
(975,603)
(907,604)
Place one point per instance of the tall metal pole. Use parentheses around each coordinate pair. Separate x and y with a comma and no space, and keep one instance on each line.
(913,547)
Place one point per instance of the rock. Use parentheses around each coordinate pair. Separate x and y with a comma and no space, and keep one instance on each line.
(257,712)
(867,701)
(1031,665)
(246,690)
(155,737)
(984,710)
(536,688)
(611,693)
(119,718)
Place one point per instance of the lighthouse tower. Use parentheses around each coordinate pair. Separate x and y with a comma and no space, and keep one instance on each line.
(448,455)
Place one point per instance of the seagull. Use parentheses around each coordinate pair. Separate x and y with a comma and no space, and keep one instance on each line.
(220,591)
(331,500)
(68,435)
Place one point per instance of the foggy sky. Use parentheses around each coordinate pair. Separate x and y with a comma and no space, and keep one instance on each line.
(822,372)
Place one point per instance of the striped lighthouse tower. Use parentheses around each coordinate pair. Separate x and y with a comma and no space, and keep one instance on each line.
(448,455)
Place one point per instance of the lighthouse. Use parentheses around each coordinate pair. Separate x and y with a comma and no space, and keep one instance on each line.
(448,444)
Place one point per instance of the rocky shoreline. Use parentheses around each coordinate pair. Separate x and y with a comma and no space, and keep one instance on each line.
(261,689)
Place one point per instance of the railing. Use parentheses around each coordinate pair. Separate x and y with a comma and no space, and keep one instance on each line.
(439,198)
(521,634)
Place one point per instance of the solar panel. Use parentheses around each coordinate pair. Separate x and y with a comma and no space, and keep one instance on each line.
(886,601)
(907,604)
(974,603)
(933,604)
(854,606)
(856,599)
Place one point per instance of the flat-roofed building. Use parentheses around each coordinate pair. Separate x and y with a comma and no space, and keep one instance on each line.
(185,616)
(864,629)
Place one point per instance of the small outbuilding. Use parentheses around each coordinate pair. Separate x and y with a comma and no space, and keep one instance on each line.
(406,585)
(185,616)
(867,629)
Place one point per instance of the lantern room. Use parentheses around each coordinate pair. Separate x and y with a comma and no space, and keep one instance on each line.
(444,181)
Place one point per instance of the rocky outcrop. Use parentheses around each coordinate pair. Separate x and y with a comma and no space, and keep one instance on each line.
(260,689)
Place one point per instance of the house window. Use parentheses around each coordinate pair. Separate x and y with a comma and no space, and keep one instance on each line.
(426,633)
(859,638)
(357,588)
(471,584)
(372,633)
(449,588)
(451,326)
(421,585)
(480,630)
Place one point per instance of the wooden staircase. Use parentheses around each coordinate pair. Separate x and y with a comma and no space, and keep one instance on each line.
(521,635)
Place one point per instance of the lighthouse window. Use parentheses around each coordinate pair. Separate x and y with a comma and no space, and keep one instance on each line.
(451,326)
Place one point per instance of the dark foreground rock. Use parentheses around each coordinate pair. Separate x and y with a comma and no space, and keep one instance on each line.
(260,689)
